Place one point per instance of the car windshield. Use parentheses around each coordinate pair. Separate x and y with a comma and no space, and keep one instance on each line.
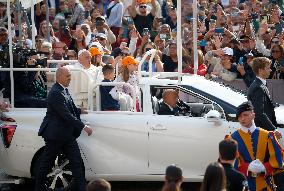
(214,90)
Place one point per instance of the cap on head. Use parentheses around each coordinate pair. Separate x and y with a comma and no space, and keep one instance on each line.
(128,60)
(246,106)
(228,51)
(95,51)
(81,52)
(100,18)
(101,35)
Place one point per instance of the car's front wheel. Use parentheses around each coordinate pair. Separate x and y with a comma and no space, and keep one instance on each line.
(60,177)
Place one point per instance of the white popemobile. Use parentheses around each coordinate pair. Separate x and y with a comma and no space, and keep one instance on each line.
(132,146)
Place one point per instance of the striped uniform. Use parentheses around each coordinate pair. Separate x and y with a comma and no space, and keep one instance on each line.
(262,145)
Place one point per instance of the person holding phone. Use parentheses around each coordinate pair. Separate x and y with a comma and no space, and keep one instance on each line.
(157,65)
(170,60)
(78,13)
(222,69)
(102,27)
(171,19)
(114,17)
(245,70)
(143,18)
(277,66)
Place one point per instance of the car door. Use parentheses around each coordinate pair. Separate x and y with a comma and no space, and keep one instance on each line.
(190,142)
(118,145)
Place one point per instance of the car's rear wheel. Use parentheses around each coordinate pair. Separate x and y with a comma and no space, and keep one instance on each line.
(60,177)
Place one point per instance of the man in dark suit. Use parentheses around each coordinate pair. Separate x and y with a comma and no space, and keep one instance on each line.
(259,96)
(60,128)
(169,104)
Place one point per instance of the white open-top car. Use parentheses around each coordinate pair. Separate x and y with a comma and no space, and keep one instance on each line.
(128,145)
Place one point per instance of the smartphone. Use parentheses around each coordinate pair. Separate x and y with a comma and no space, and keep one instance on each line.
(202,43)
(130,22)
(279,28)
(163,36)
(189,18)
(241,60)
(145,31)
(219,30)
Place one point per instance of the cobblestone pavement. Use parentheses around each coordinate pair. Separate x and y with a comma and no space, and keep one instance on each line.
(116,186)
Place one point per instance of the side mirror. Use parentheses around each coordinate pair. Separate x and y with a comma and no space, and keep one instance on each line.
(214,116)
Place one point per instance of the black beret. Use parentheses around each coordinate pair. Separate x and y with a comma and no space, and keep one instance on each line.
(246,106)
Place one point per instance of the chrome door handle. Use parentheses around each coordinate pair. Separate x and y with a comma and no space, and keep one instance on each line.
(158,127)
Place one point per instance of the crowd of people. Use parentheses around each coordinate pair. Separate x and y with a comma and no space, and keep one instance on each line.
(230,33)
(237,39)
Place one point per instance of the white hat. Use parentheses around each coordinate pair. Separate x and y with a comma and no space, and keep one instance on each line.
(101,35)
(228,51)
(82,51)
(97,45)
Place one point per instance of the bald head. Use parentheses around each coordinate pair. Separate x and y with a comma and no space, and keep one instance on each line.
(63,76)
(170,97)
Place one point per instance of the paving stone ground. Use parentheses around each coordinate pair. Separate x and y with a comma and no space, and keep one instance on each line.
(116,186)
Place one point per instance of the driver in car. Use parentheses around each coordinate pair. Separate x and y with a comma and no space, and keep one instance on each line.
(169,104)
(172,105)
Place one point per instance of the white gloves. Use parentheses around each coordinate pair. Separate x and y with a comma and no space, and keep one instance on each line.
(256,168)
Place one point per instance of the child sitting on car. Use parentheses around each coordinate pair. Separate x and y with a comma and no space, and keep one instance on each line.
(107,102)
(127,92)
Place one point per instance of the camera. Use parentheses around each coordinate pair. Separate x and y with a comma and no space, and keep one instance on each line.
(20,57)
(163,36)
(145,31)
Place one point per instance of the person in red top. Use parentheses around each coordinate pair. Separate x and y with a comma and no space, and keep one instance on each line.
(202,68)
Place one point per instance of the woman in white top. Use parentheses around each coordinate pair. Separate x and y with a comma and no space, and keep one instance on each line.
(126,93)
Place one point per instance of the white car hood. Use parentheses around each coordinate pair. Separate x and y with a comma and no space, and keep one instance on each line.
(279,112)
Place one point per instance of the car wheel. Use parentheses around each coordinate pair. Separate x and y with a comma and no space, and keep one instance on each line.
(60,177)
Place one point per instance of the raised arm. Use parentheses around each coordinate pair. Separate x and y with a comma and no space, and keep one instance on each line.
(154,7)
(132,9)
